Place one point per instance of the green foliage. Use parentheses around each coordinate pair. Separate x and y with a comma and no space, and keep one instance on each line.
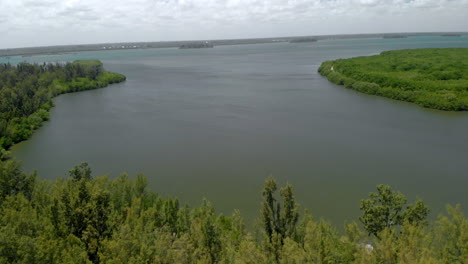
(81,172)
(278,223)
(13,181)
(82,210)
(86,219)
(26,92)
(323,244)
(452,236)
(433,78)
(386,209)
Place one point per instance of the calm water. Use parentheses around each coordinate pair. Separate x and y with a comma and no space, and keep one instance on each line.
(216,122)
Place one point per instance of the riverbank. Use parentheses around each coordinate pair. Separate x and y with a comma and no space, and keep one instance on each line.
(432,78)
(27,90)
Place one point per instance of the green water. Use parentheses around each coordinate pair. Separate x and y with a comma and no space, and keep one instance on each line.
(216,122)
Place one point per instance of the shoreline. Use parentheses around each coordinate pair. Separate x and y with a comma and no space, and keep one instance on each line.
(25,126)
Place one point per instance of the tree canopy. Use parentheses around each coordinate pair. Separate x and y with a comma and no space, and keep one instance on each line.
(386,209)
(433,78)
(26,92)
(88,219)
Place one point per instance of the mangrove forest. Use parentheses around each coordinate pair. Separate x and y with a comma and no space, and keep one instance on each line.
(432,78)
(26,92)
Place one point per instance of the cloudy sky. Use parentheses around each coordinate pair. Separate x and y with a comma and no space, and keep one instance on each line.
(26,23)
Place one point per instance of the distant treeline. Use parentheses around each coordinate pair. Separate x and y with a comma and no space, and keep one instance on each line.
(82,219)
(433,78)
(196,45)
(394,37)
(303,40)
(26,92)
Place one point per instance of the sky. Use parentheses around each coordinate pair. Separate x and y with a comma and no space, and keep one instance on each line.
(27,23)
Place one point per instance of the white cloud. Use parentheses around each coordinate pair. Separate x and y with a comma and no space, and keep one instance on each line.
(48,22)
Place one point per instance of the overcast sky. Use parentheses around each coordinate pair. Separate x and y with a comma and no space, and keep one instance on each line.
(55,22)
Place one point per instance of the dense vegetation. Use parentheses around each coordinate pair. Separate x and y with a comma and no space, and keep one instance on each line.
(26,92)
(82,219)
(433,78)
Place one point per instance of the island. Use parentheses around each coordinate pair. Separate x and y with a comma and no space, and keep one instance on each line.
(450,35)
(432,78)
(196,45)
(303,40)
(27,90)
(394,36)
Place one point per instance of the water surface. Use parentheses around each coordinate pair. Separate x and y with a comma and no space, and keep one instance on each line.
(215,123)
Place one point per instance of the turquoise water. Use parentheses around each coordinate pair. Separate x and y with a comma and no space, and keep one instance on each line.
(215,123)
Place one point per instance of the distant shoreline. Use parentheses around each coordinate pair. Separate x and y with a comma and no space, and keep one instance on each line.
(65,49)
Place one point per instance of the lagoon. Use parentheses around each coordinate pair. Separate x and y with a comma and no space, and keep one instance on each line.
(214,123)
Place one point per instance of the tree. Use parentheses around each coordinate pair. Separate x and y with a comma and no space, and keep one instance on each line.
(14,181)
(84,208)
(278,223)
(416,213)
(81,171)
(386,209)
(452,236)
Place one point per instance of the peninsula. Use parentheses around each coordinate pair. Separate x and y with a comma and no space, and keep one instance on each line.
(26,92)
(432,78)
